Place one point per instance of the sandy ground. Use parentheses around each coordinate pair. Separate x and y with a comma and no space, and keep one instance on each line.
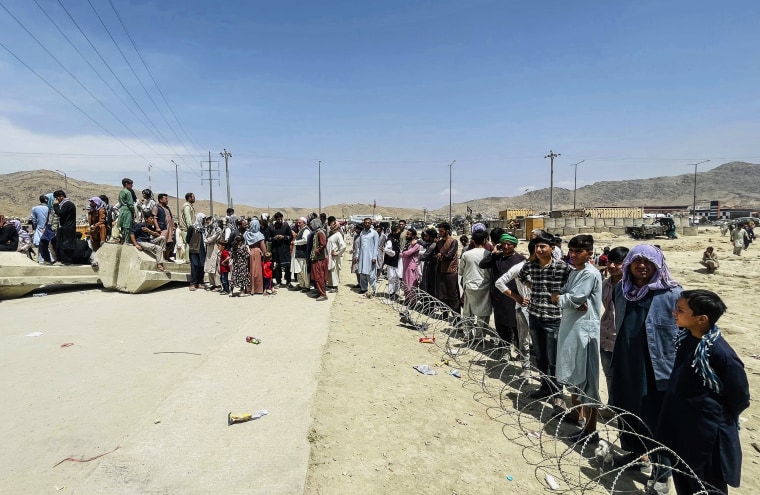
(381,427)
(166,412)
(349,417)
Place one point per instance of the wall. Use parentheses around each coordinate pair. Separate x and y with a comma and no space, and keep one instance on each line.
(588,225)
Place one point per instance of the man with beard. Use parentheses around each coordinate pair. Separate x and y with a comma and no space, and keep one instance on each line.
(319,259)
(298,262)
(186,219)
(279,235)
(166,224)
(499,261)
(447,284)
(392,252)
(365,255)
(67,230)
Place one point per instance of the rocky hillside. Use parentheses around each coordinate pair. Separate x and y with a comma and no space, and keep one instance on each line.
(735,184)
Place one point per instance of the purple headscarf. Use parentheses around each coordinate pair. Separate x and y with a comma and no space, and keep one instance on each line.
(660,280)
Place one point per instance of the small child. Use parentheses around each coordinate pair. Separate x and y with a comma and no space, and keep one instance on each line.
(224,267)
(707,391)
(266,270)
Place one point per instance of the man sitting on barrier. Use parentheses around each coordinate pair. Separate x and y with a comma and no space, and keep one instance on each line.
(146,236)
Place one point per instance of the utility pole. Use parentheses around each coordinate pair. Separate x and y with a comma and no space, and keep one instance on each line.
(65,180)
(210,185)
(551,156)
(320,187)
(176,177)
(227,155)
(575,184)
(694,205)
(424,216)
(450,166)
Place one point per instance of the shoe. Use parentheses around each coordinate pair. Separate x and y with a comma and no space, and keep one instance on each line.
(322,298)
(584,437)
(362,292)
(224,293)
(332,291)
(540,393)
(658,487)
(630,460)
(293,289)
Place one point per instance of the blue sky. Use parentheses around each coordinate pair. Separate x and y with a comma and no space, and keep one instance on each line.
(385,94)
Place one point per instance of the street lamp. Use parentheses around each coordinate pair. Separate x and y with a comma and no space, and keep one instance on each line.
(65,180)
(450,165)
(575,184)
(694,205)
(551,156)
(176,176)
(227,155)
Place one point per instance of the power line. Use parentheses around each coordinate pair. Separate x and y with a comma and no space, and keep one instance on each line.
(155,83)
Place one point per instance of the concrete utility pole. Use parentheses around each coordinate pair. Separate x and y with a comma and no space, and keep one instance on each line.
(551,156)
(176,177)
(320,187)
(575,184)
(450,165)
(227,155)
(694,206)
(210,185)
(65,181)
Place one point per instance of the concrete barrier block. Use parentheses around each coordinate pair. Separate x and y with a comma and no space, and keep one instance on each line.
(617,230)
(126,269)
(19,275)
(689,231)
(599,229)
(569,231)
(586,230)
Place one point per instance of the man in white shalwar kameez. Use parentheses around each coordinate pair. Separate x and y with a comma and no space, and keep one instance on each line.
(298,259)
(476,283)
(336,246)
(365,255)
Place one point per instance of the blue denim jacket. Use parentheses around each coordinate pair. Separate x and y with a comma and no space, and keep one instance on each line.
(661,330)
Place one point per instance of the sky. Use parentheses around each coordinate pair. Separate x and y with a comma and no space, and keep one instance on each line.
(385,94)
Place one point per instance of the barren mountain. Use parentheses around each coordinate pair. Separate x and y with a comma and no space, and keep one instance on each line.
(734,184)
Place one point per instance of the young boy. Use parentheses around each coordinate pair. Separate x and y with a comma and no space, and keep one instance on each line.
(224,267)
(578,338)
(707,391)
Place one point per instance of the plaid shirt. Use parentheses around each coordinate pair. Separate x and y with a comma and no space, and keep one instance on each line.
(543,281)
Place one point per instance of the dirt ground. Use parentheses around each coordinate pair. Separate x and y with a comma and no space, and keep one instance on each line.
(381,427)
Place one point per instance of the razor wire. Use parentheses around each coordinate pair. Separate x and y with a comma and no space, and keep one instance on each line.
(545,433)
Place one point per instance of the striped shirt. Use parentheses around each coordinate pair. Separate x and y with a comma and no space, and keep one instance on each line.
(543,281)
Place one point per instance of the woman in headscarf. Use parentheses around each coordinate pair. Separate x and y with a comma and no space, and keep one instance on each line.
(411,259)
(96,214)
(241,266)
(644,352)
(319,259)
(212,234)
(255,241)
(196,249)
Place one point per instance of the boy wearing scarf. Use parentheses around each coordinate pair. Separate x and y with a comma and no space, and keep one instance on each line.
(708,389)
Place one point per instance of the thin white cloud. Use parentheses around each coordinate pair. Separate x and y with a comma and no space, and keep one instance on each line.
(445,192)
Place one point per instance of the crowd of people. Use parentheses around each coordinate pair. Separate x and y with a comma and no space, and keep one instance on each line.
(573,315)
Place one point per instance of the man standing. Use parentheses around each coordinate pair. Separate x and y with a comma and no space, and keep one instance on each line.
(500,261)
(146,236)
(476,283)
(319,259)
(279,235)
(447,285)
(298,263)
(365,256)
(186,218)
(126,209)
(67,230)
(39,219)
(166,224)
(336,246)
(545,276)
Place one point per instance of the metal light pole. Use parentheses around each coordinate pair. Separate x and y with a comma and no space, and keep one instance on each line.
(320,186)
(575,183)
(65,180)
(176,176)
(450,165)
(694,205)
(551,156)
(227,155)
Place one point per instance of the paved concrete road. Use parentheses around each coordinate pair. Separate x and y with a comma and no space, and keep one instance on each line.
(166,412)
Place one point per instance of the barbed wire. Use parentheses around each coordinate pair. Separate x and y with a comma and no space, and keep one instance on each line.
(545,434)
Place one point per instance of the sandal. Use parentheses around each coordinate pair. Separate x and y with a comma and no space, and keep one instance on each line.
(192,287)
(160,268)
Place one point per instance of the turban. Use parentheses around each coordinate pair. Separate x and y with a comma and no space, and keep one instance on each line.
(508,238)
